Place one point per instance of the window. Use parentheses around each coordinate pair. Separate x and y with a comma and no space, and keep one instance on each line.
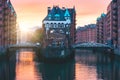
(57,16)
(49,16)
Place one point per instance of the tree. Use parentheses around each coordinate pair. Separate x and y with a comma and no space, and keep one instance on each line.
(38,36)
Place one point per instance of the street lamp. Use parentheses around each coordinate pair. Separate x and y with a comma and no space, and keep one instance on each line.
(68,34)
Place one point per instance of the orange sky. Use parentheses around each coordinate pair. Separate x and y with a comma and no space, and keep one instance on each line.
(30,13)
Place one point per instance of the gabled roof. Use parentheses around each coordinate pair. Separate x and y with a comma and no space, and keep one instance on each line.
(58,14)
(54,13)
(67,14)
(102,16)
(11,7)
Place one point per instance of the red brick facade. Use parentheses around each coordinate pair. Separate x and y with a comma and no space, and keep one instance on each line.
(8,33)
(86,34)
(107,27)
(111,29)
(101,28)
(112,26)
(118,4)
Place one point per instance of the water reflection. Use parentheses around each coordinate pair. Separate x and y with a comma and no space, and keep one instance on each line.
(96,66)
(7,70)
(85,65)
(25,66)
(108,68)
(64,71)
(88,66)
(27,69)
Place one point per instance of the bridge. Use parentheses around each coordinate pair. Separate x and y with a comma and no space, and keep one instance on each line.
(91,45)
(23,45)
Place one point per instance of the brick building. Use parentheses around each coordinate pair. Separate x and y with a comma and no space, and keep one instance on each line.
(118,4)
(101,28)
(112,26)
(59,26)
(111,30)
(81,35)
(107,27)
(8,34)
(86,34)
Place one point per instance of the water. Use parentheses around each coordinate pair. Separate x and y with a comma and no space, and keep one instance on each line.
(86,66)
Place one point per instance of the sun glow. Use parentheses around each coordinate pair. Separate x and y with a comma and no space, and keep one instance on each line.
(25,65)
(32,12)
(24,27)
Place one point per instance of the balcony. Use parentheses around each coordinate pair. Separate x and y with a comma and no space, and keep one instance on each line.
(1,11)
(114,5)
(115,39)
(115,17)
(114,23)
(115,12)
(5,14)
(115,8)
(115,31)
(114,0)
(0,4)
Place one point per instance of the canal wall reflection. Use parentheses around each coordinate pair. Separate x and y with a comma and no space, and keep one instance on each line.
(85,67)
(64,71)
(108,68)
(96,66)
(25,65)
(88,65)
(7,69)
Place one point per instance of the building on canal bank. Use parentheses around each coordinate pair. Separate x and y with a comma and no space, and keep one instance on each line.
(101,27)
(113,18)
(112,27)
(59,26)
(117,50)
(108,27)
(8,34)
(86,34)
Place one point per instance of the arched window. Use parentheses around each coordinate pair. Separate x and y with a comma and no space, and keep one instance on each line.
(49,16)
(51,25)
(62,25)
(57,16)
(55,25)
(59,25)
(67,25)
(46,25)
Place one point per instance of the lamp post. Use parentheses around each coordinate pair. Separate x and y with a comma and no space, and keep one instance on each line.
(68,34)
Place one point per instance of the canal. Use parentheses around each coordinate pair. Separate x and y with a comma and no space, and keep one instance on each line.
(87,65)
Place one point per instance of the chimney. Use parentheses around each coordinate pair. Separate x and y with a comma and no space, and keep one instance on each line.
(49,9)
(63,8)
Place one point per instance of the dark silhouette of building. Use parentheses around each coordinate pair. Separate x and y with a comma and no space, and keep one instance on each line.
(59,26)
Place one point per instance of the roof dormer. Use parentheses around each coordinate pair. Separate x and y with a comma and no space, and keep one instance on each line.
(57,16)
(67,14)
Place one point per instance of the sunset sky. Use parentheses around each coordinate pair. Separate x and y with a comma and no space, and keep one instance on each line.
(30,13)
